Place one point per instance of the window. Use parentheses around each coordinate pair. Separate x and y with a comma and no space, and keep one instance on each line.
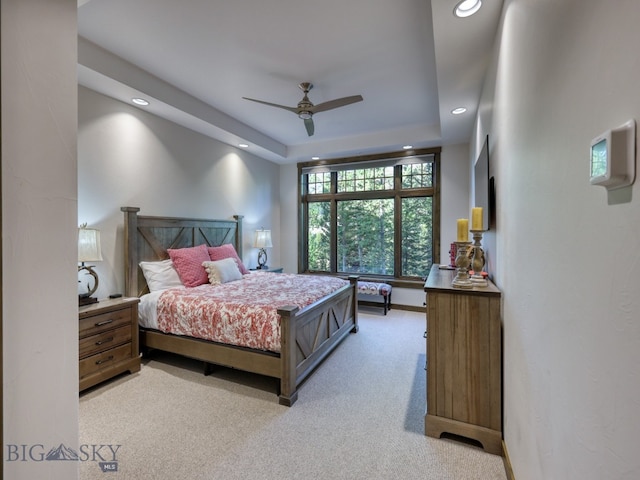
(375,216)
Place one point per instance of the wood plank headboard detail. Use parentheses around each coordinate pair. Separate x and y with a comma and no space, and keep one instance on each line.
(148,238)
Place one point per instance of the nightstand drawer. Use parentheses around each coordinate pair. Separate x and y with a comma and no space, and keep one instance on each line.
(104,341)
(105,321)
(104,360)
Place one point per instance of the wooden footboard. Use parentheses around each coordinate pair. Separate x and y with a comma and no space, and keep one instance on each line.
(307,336)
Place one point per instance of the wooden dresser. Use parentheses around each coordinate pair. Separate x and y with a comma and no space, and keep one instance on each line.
(464,361)
(108,340)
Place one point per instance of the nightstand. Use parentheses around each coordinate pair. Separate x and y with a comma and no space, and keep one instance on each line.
(108,337)
(269,269)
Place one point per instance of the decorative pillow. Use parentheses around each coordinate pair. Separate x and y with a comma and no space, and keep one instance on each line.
(227,251)
(188,263)
(160,275)
(222,271)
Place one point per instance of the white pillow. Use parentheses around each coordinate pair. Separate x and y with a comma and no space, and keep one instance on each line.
(222,271)
(160,275)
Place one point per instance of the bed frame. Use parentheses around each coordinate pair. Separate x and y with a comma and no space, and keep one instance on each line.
(308,335)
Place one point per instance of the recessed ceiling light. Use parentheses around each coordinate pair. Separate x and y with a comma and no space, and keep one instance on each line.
(243,145)
(458,111)
(315,158)
(466,8)
(407,147)
(140,101)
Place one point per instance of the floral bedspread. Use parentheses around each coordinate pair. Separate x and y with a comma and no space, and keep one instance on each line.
(243,312)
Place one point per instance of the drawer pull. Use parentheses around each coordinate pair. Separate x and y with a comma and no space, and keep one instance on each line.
(106,340)
(106,322)
(108,359)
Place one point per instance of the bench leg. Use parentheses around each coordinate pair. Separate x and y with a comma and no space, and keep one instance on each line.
(387,303)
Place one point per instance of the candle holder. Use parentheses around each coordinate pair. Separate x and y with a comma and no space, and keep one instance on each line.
(477,260)
(463,261)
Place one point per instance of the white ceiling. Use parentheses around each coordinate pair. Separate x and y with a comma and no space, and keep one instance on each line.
(194,60)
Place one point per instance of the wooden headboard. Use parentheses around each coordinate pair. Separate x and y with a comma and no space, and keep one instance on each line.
(148,238)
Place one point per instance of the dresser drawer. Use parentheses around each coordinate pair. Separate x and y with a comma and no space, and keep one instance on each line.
(105,321)
(104,360)
(104,341)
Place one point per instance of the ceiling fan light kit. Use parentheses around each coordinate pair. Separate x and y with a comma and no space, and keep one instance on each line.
(305,109)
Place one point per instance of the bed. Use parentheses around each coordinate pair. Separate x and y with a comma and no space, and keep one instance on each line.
(307,335)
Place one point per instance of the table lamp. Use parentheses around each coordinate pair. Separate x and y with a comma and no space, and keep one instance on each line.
(88,251)
(262,240)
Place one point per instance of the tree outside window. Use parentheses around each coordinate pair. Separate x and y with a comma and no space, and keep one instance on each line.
(375,217)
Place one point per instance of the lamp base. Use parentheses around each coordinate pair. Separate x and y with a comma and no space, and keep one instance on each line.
(262,259)
(84,300)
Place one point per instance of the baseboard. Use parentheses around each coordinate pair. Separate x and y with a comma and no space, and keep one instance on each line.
(394,306)
(507,463)
(409,308)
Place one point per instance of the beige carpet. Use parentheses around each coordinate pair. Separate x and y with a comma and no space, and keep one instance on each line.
(359,416)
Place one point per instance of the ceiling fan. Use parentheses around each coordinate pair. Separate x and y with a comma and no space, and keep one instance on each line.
(306,109)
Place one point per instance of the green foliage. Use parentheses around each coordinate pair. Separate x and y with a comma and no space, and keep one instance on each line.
(365,233)
(365,236)
(417,175)
(365,179)
(417,234)
(319,182)
(319,248)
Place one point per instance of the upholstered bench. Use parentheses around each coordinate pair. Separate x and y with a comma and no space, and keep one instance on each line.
(375,288)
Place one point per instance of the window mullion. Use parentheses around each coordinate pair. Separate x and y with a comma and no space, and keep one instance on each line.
(397,222)
(334,224)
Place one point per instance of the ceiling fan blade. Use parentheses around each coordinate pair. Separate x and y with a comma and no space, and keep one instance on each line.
(338,102)
(291,109)
(308,124)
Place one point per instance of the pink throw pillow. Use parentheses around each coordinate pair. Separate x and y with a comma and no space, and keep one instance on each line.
(227,251)
(188,263)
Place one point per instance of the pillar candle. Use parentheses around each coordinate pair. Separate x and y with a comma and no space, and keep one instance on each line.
(463,230)
(476,218)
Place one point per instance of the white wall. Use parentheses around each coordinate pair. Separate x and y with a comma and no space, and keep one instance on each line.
(289,217)
(128,157)
(454,194)
(568,254)
(39,236)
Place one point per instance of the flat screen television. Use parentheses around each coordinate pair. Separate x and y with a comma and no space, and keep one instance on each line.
(483,186)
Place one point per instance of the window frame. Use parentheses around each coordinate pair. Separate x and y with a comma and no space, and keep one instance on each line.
(398,193)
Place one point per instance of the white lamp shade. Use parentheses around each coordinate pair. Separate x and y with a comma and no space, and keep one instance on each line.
(89,245)
(262,239)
